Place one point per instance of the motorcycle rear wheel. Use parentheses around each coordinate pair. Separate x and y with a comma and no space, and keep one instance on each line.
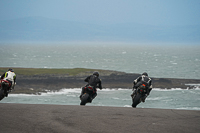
(84,99)
(136,100)
(1,94)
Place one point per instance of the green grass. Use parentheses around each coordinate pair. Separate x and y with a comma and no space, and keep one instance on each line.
(41,71)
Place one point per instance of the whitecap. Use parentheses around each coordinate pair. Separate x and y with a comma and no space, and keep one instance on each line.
(63,91)
(127,106)
(114,89)
(18,95)
(189,108)
(14,55)
(71,96)
(125,99)
(193,84)
(108,89)
(115,98)
(156,98)
(175,63)
(172,89)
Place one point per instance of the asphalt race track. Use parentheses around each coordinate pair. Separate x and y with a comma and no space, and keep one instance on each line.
(37,118)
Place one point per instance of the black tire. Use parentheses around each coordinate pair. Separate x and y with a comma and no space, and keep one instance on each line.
(1,94)
(136,100)
(84,99)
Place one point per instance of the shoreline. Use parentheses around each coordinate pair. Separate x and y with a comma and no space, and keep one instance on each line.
(43,118)
(41,80)
(36,84)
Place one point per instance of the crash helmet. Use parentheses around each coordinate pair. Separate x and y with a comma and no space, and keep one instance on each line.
(96,73)
(144,73)
(10,69)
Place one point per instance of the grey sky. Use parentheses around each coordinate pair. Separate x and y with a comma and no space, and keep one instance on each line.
(166,21)
(154,12)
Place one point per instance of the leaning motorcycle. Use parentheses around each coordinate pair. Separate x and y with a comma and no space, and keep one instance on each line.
(138,96)
(4,88)
(87,95)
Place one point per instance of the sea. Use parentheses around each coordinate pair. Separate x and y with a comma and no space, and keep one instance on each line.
(158,60)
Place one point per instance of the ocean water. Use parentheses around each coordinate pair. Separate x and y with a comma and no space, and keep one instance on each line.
(158,98)
(161,61)
(158,60)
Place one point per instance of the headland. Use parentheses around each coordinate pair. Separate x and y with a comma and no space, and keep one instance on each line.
(35,80)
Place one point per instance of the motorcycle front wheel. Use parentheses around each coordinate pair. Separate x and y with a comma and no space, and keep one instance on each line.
(84,99)
(136,100)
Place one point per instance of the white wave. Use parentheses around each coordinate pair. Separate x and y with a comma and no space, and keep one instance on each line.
(172,89)
(193,84)
(189,108)
(126,99)
(156,98)
(71,91)
(115,98)
(120,89)
(127,106)
(17,95)
(174,63)
(114,89)
(71,96)
(62,91)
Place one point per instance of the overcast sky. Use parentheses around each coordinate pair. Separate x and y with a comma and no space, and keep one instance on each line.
(153,12)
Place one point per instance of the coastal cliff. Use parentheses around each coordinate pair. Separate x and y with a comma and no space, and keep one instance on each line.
(35,83)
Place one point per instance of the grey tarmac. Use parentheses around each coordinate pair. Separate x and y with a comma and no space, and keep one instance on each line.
(43,118)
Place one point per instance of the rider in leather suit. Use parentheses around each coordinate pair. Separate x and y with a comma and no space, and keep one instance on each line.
(10,76)
(140,80)
(94,81)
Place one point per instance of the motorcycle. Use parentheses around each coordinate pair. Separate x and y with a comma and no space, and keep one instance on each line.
(87,95)
(139,95)
(4,88)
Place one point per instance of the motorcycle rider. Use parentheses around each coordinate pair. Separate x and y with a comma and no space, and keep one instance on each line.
(93,81)
(143,79)
(10,76)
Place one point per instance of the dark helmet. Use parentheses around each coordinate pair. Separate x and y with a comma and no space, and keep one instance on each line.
(10,69)
(145,74)
(96,73)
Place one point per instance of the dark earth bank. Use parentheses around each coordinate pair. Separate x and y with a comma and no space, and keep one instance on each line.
(110,79)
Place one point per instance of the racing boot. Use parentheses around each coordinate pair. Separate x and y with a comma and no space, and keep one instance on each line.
(90,100)
(92,97)
(134,92)
(6,94)
(81,92)
(143,98)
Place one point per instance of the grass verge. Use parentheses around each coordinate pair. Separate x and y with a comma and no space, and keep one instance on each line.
(41,71)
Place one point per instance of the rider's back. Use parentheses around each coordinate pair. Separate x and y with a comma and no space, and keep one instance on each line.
(93,80)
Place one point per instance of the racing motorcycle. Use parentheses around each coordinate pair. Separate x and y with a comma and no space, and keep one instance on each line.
(4,88)
(139,95)
(87,95)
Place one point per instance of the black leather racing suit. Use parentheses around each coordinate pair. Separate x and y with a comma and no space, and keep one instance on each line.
(94,82)
(143,79)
